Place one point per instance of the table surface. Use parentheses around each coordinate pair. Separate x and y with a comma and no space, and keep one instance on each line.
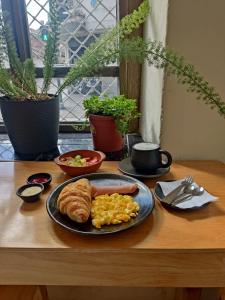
(27,233)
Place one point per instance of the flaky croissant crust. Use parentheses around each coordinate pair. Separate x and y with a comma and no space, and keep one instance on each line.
(75,200)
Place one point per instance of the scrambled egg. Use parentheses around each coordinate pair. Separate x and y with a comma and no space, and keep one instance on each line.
(113,209)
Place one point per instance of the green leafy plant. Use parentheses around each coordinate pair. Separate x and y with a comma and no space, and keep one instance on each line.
(19,83)
(123,110)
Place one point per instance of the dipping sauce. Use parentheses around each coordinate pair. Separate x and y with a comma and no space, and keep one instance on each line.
(30,191)
(39,180)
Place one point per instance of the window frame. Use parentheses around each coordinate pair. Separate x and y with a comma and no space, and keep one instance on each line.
(129,74)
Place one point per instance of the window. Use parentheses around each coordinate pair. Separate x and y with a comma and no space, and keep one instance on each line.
(82,21)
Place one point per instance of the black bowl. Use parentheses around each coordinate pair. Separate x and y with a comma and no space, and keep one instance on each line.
(46,176)
(32,198)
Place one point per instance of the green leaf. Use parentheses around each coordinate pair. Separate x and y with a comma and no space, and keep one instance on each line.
(50,56)
(29,75)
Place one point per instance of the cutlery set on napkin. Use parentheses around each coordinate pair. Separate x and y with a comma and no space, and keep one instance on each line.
(182,194)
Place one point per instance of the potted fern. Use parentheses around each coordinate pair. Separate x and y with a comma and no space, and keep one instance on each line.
(31,115)
(109,119)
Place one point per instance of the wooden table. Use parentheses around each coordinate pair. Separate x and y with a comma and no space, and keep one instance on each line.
(170,249)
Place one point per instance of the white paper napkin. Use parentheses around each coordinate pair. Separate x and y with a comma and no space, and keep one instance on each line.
(195,201)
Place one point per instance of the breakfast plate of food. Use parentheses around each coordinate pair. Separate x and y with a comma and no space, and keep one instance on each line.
(100,203)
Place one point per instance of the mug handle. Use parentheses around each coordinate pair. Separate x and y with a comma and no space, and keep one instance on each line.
(169,159)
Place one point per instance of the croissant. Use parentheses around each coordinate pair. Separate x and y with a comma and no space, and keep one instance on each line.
(75,200)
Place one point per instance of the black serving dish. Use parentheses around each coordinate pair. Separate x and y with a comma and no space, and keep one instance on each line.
(143,197)
(40,178)
(32,198)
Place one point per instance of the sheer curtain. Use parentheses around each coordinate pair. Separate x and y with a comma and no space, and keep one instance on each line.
(152,79)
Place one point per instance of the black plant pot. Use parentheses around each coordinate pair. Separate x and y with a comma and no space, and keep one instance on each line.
(32,125)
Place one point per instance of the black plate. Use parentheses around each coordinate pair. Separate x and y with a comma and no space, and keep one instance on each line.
(126,167)
(143,197)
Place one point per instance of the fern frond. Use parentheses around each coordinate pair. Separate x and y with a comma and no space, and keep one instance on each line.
(17,68)
(5,86)
(3,48)
(50,56)
(8,88)
(174,64)
(185,73)
(15,63)
(29,75)
(92,59)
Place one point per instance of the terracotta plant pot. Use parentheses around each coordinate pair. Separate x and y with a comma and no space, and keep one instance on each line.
(105,135)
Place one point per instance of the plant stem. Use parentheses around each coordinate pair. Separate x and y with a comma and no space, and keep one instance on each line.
(203,87)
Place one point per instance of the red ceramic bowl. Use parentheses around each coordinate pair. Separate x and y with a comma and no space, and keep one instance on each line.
(76,171)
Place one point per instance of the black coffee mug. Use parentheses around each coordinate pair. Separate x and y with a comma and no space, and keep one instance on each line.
(147,157)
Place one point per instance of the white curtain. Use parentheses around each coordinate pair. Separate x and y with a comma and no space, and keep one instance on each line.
(152,79)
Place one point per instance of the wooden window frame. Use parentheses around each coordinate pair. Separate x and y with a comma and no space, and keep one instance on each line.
(130,72)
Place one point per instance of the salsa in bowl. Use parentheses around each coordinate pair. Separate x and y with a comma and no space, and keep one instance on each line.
(79,162)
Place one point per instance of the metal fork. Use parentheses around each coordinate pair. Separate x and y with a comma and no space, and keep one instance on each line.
(174,193)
